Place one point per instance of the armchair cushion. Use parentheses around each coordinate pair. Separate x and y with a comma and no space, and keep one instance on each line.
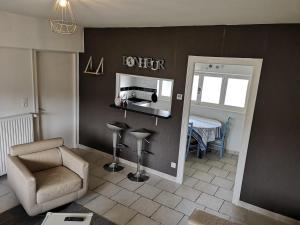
(56,182)
(42,160)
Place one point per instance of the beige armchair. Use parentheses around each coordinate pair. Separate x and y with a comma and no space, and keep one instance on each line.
(46,174)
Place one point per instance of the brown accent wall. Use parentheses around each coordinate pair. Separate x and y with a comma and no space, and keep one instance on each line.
(271,179)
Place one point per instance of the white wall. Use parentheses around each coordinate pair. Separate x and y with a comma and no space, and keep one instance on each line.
(16,81)
(20,37)
(32,33)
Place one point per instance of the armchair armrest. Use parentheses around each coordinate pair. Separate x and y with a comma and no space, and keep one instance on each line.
(74,162)
(21,181)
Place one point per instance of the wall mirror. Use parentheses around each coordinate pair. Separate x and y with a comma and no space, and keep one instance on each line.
(140,92)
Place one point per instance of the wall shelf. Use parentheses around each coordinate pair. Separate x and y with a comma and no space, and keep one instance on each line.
(144,110)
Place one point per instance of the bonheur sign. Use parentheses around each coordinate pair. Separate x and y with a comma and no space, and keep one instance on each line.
(144,62)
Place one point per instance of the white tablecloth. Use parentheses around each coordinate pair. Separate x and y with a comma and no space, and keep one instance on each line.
(208,129)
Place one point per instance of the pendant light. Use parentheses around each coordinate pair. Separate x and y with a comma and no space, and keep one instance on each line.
(63,20)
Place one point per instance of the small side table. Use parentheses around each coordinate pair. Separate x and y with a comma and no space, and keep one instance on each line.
(59,218)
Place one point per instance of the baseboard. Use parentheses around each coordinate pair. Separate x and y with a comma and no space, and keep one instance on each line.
(233,152)
(132,164)
(268,213)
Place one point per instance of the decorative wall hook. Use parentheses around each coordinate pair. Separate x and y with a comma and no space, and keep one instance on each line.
(89,67)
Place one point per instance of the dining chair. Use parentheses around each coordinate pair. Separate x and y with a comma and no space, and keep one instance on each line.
(219,144)
(194,141)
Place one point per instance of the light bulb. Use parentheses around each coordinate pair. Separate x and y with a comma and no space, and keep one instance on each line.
(63,3)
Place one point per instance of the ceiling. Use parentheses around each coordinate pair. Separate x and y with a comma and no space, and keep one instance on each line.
(142,13)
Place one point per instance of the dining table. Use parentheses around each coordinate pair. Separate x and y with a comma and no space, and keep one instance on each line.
(208,129)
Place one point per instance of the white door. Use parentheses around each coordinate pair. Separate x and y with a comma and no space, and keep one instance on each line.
(56,76)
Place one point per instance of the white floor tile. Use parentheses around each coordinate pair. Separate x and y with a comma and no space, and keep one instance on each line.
(210,201)
(215,213)
(201,167)
(189,181)
(90,157)
(167,185)
(142,220)
(114,177)
(130,185)
(230,168)
(4,189)
(229,160)
(108,189)
(98,171)
(168,199)
(189,171)
(148,191)
(153,180)
(215,163)
(100,205)
(218,172)
(95,182)
(8,201)
(120,215)
(203,176)
(187,207)
(127,170)
(90,195)
(184,221)
(125,197)
(206,187)
(233,211)
(231,176)
(167,216)
(188,163)
(224,194)
(145,206)
(222,182)
(188,192)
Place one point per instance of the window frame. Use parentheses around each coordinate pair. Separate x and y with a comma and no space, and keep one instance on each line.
(225,77)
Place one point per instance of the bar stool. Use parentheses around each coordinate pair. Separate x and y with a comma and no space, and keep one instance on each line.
(116,128)
(140,135)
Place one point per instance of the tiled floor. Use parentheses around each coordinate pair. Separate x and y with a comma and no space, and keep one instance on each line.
(207,186)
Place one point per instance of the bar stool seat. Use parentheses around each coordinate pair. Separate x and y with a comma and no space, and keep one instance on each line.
(116,128)
(140,135)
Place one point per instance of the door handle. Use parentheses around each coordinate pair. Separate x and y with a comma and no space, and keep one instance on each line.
(42,110)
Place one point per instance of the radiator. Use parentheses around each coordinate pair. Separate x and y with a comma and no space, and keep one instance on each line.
(13,131)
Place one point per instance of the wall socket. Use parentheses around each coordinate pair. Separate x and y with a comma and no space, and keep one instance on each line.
(179,97)
(173,165)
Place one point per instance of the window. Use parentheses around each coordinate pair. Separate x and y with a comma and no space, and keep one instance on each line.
(236,92)
(227,91)
(166,88)
(211,89)
(195,87)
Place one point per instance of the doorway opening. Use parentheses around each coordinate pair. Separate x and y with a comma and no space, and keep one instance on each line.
(219,103)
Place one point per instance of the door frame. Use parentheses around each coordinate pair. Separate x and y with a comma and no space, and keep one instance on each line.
(192,60)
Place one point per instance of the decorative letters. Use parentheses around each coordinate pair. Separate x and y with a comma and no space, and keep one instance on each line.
(144,62)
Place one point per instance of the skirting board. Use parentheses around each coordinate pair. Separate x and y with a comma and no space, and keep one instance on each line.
(268,213)
(132,164)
